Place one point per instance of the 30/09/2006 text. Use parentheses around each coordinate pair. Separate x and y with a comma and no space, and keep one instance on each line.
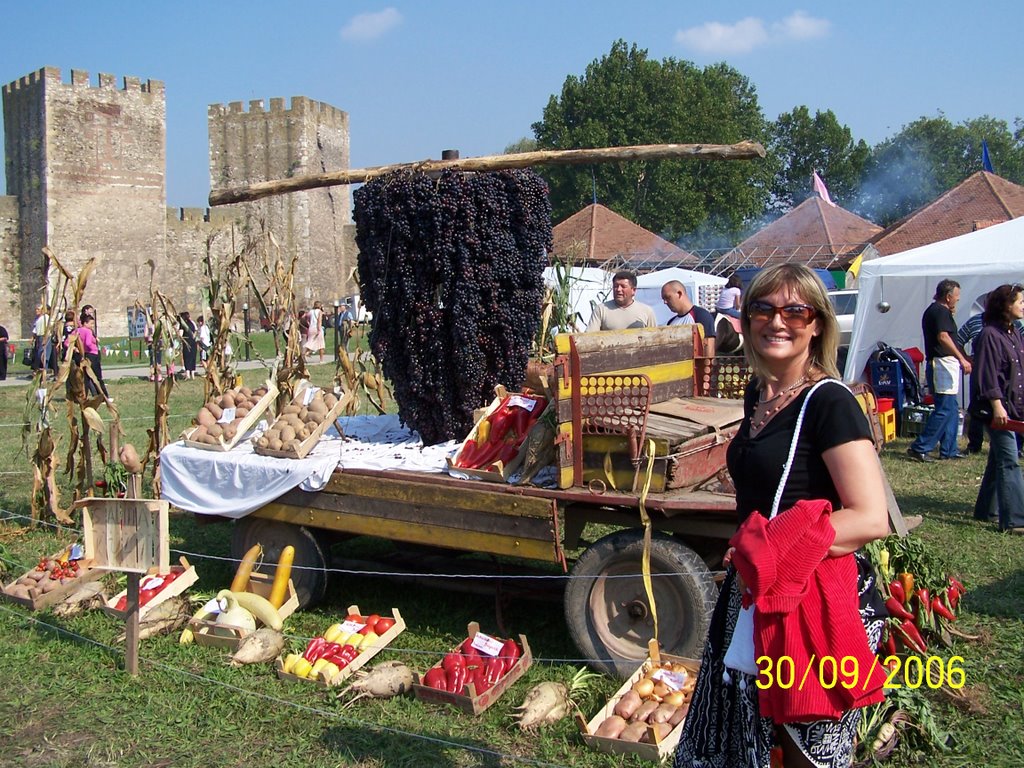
(828,671)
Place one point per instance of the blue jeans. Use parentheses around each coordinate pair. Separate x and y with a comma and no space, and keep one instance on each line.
(940,429)
(1001,495)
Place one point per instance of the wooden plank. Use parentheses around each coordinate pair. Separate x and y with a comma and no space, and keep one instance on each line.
(744,150)
(678,429)
(664,378)
(415,531)
(713,412)
(605,361)
(454,495)
(627,340)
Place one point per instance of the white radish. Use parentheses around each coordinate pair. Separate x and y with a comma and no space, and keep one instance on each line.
(262,646)
(392,678)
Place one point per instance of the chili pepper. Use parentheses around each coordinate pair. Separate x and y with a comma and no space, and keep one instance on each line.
(313,649)
(907,580)
(494,669)
(436,678)
(896,609)
(910,637)
(896,590)
(941,610)
(953,598)
(890,644)
(510,653)
(456,679)
(924,608)
(956,583)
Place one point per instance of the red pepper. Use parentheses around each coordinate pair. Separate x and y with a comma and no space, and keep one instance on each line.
(452,661)
(956,583)
(890,643)
(941,610)
(467,456)
(472,658)
(436,678)
(122,603)
(500,422)
(510,653)
(494,669)
(896,590)
(466,647)
(314,648)
(456,679)
(480,680)
(910,637)
(896,609)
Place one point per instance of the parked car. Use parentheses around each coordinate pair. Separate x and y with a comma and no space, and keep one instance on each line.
(845,304)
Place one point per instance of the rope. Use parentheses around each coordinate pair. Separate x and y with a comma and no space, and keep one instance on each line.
(645,561)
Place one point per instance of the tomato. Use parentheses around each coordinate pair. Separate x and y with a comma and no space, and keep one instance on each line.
(356,618)
(384,623)
(371,623)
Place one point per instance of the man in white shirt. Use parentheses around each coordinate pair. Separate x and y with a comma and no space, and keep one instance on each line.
(623,311)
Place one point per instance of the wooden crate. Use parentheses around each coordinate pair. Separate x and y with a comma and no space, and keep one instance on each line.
(129,535)
(359,661)
(215,635)
(175,588)
(310,442)
(38,599)
(655,752)
(244,426)
(472,704)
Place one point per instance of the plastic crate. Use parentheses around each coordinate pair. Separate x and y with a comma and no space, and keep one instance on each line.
(888,419)
(887,381)
(885,404)
(913,420)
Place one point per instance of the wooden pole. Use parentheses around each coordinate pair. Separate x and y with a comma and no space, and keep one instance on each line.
(744,150)
(131,629)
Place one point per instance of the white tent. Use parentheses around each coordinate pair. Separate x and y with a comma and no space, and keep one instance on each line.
(588,286)
(905,283)
(648,288)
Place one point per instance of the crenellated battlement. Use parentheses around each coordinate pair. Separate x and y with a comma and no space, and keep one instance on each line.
(224,214)
(300,106)
(80,79)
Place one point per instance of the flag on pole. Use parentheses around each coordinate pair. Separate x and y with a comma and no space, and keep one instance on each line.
(986,161)
(820,188)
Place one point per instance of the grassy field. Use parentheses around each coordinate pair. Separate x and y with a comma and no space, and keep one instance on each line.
(67,700)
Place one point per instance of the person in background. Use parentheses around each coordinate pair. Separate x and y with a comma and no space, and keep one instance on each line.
(205,342)
(676,298)
(944,362)
(731,296)
(88,347)
(188,343)
(999,378)
(315,330)
(793,339)
(345,322)
(4,343)
(65,334)
(40,339)
(623,311)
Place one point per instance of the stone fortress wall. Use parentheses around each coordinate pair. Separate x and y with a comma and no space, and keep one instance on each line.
(86,174)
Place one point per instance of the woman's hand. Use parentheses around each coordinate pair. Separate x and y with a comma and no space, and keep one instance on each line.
(999,415)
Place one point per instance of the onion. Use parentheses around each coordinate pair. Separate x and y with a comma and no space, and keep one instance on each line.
(644,688)
(675,698)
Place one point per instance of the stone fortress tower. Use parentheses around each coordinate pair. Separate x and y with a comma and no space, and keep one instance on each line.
(86,174)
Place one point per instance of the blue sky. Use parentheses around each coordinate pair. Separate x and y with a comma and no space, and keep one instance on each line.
(420,77)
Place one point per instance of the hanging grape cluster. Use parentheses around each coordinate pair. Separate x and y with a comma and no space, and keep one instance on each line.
(452,269)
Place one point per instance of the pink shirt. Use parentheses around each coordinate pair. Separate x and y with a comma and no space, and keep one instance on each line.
(89,343)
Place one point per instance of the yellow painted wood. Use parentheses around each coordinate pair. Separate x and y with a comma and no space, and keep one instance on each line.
(416,533)
(619,444)
(433,495)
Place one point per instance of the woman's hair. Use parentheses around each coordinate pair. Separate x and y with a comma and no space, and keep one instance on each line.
(997,305)
(69,316)
(734,281)
(801,281)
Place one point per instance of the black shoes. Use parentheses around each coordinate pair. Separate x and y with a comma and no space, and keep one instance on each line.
(954,456)
(917,456)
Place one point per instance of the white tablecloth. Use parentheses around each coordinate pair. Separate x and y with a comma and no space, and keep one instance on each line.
(236,482)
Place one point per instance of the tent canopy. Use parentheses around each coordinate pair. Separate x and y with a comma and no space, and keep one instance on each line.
(905,283)
(587,286)
(648,288)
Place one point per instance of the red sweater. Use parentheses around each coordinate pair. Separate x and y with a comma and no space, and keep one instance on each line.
(807,610)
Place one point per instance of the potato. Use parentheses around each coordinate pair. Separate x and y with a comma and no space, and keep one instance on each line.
(634,731)
(287,433)
(19,590)
(263,442)
(275,444)
(330,401)
(204,417)
(291,409)
(611,727)
(242,412)
(678,715)
(215,430)
(229,432)
(303,412)
(227,400)
(663,713)
(292,445)
(312,424)
(245,392)
(215,409)
(198,433)
(302,434)
(644,711)
(627,705)
(661,730)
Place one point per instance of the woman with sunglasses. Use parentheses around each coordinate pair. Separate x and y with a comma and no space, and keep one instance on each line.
(998,378)
(791,337)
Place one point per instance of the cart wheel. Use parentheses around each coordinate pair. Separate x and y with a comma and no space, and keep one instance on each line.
(606,605)
(309,567)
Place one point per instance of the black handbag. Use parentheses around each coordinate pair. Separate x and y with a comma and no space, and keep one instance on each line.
(27,355)
(980,409)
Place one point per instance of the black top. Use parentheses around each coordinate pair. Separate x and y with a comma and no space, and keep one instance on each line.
(998,372)
(936,319)
(833,418)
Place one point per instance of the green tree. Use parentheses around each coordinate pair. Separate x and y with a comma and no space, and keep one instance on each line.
(525,144)
(930,156)
(802,144)
(626,98)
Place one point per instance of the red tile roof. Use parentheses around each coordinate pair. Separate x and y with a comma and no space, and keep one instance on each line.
(597,235)
(814,233)
(979,201)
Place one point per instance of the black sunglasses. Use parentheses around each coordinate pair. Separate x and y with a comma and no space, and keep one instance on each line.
(797,315)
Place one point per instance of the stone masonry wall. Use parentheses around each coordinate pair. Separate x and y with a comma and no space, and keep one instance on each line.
(10,269)
(308,138)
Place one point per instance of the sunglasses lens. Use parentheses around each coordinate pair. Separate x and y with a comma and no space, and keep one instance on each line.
(761,310)
(797,313)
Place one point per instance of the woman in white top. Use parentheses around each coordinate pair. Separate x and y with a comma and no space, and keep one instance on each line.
(729,299)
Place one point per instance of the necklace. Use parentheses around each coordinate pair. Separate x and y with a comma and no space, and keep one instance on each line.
(778,401)
(798,383)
